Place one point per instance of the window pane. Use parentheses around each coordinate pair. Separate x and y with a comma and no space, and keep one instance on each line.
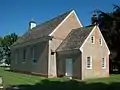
(34,60)
(17,57)
(100,41)
(24,55)
(92,39)
(103,63)
(89,63)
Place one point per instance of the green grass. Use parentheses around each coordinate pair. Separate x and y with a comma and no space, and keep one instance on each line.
(30,82)
(12,78)
(113,78)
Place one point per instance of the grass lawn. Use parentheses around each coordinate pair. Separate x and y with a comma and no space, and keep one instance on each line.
(13,78)
(30,82)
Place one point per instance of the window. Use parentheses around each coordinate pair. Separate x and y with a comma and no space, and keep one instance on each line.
(100,41)
(103,63)
(17,57)
(89,63)
(24,55)
(33,55)
(92,39)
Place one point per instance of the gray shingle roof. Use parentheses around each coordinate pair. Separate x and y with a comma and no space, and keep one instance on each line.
(42,30)
(75,39)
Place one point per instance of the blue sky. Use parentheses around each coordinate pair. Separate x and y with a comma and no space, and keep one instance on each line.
(16,14)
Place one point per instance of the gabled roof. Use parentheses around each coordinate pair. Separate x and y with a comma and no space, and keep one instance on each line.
(75,38)
(43,29)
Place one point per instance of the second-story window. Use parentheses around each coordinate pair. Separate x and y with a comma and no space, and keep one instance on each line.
(92,39)
(100,41)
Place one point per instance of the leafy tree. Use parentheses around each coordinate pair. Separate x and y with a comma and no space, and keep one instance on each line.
(6,42)
(1,50)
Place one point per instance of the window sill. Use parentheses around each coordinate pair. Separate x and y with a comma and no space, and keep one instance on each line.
(88,68)
(103,67)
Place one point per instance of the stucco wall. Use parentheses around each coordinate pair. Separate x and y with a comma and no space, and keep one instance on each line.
(61,63)
(41,53)
(97,52)
(70,23)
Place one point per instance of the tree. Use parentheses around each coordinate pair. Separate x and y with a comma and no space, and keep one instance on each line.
(6,42)
(1,50)
(109,24)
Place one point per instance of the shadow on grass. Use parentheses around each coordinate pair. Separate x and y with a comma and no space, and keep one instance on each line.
(67,85)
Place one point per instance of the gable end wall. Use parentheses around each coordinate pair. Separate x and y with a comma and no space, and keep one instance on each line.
(97,52)
(70,22)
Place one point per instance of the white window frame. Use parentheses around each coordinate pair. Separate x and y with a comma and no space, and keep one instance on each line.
(100,42)
(93,39)
(90,62)
(103,64)
(33,55)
